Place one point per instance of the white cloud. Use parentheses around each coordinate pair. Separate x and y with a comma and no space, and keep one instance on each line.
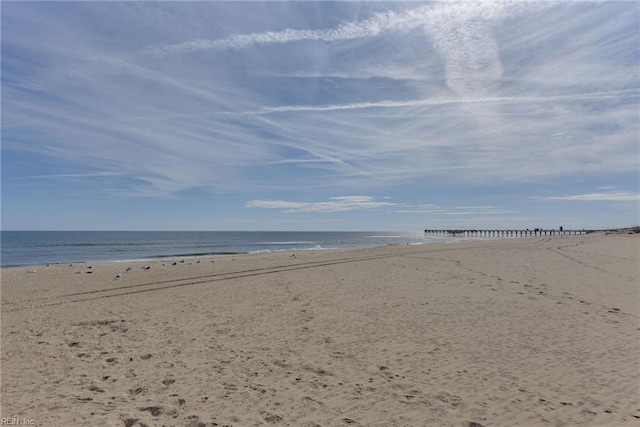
(598,197)
(497,100)
(71,175)
(334,204)
(435,210)
(461,32)
(352,203)
(388,21)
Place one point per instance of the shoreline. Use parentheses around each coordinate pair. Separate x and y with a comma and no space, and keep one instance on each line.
(312,246)
(525,331)
(172,257)
(133,260)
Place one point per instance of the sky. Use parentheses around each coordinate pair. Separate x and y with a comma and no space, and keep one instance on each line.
(320,116)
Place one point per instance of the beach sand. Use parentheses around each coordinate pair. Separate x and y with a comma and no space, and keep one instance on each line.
(518,332)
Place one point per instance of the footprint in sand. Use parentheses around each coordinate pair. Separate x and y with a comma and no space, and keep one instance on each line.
(138,390)
(270,417)
(168,380)
(313,403)
(96,389)
(180,403)
(154,410)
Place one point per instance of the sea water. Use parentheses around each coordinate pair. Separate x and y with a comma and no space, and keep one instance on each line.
(43,247)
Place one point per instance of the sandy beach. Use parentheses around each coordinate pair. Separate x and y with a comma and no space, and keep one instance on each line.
(518,332)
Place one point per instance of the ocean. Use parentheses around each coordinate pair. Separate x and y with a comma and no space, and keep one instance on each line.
(49,247)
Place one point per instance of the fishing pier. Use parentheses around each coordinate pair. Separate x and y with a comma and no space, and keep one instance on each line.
(506,233)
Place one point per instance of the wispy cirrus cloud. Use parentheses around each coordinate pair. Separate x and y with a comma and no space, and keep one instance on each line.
(334,204)
(380,22)
(598,197)
(615,94)
(194,121)
(462,33)
(309,98)
(358,203)
(437,210)
(71,175)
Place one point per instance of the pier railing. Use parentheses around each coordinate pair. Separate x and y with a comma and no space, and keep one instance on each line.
(506,233)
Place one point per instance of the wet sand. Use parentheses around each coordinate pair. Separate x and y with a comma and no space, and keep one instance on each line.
(528,332)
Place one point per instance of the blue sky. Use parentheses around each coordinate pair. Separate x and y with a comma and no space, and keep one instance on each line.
(319,115)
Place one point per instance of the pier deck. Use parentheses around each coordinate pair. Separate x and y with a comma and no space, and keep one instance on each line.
(506,233)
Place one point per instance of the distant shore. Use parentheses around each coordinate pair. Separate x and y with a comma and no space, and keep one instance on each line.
(526,331)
